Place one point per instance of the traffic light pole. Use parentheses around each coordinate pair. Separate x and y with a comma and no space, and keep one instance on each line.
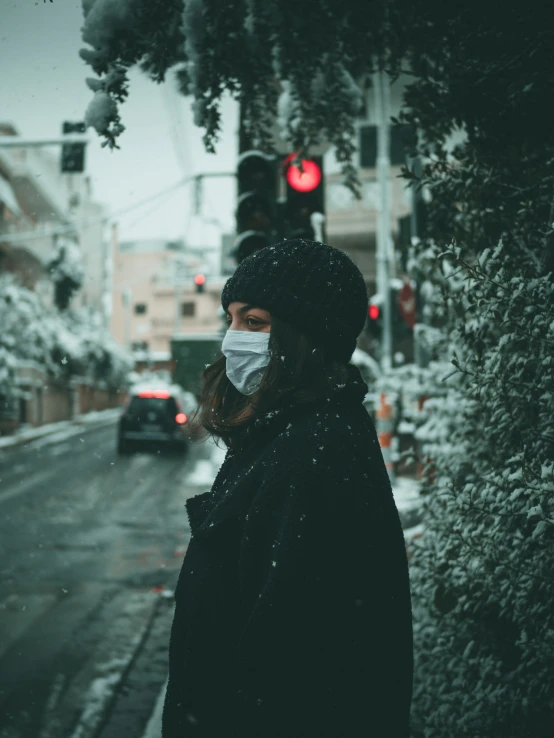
(384,256)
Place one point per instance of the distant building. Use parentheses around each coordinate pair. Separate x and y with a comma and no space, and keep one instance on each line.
(154,296)
(228,262)
(351,224)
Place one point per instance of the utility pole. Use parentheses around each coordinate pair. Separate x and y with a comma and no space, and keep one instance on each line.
(384,241)
(177,303)
(127,300)
(414,232)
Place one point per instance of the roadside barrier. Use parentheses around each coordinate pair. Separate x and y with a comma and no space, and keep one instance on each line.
(384,417)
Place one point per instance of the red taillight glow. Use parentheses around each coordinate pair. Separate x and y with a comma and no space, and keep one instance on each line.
(180,418)
(159,394)
(373,312)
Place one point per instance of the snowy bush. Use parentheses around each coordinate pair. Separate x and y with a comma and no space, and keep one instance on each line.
(26,330)
(482,577)
(66,271)
(64,344)
(82,347)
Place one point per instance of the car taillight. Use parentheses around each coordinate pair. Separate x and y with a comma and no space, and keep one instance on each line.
(180,418)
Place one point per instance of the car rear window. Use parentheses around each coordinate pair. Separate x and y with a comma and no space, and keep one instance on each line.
(159,405)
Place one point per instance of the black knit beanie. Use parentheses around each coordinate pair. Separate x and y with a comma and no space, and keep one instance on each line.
(315,287)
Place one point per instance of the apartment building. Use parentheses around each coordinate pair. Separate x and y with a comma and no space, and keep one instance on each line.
(154,296)
(351,224)
(38,205)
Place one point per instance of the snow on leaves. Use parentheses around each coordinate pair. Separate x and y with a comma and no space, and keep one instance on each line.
(316,57)
(486,559)
(64,344)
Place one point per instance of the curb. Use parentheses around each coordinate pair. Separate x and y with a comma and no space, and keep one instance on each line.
(154,726)
(53,432)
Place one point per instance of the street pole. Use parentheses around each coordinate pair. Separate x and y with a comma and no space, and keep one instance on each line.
(127,297)
(384,242)
(418,358)
(177,321)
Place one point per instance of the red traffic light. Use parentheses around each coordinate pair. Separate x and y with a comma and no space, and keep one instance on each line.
(374,312)
(306,179)
(199,279)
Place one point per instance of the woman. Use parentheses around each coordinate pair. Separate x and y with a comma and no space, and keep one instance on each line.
(293,610)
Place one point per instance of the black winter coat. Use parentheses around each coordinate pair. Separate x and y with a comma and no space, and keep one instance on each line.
(293,615)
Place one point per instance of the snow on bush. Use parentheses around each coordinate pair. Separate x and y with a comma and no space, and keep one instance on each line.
(66,271)
(82,347)
(64,344)
(101,110)
(482,579)
(26,330)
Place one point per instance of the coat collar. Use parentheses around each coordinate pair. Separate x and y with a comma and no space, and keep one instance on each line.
(211,508)
(269,424)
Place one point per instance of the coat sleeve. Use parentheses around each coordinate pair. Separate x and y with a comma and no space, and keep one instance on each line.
(325,648)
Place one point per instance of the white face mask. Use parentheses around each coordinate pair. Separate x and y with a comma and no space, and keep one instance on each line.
(247,354)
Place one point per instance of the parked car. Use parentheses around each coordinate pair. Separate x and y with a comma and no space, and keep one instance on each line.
(152,416)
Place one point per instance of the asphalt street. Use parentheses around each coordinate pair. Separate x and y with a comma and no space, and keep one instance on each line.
(90,549)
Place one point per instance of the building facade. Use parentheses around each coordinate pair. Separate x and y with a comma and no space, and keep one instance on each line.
(40,205)
(154,296)
(351,224)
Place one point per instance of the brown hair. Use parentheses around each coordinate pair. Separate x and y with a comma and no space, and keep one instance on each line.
(299,371)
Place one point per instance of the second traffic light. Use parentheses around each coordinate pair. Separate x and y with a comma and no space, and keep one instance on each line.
(257,203)
(375,319)
(199,282)
(305,200)
(73,154)
(402,303)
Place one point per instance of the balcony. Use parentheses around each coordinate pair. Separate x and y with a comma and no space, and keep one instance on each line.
(40,188)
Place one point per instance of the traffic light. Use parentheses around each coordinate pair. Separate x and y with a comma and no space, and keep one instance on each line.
(257,207)
(73,154)
(305,203)
(199,281)
(403,316)
(375,318)
(406,308)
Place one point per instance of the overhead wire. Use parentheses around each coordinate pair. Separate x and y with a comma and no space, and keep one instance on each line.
(154,208)
(87,222)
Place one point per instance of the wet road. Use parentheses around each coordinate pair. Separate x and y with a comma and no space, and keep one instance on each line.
(90,549)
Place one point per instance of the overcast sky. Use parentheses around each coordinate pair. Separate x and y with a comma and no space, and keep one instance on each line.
(42,83)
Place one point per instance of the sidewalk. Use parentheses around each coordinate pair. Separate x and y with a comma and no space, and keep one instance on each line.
(154,727)
(56,432)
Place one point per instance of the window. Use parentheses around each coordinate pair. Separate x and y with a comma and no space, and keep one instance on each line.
(139,346)
(401,141)
(368,146)
(140,308)
(188,309)
(140,406)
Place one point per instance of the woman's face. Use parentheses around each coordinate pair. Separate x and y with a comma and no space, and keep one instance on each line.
(244,317)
